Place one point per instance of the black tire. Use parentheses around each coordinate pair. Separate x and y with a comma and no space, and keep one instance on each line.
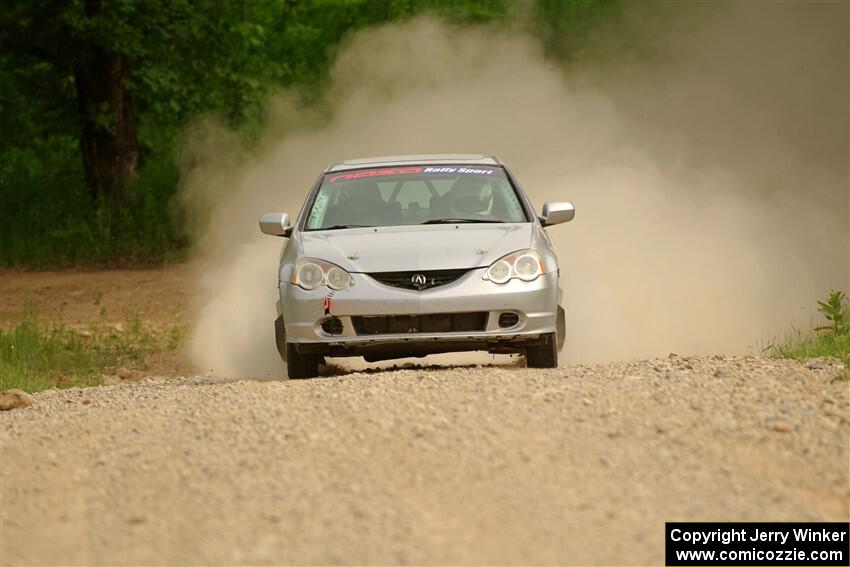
(561,326)
(300,365)
(544,355)
(280,337)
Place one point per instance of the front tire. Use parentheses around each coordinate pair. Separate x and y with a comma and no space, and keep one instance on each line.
(561,323)
(544,355)
(280,337)
(299,365)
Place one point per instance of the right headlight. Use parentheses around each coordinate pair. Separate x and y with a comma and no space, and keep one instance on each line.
(526,265)
(310,273)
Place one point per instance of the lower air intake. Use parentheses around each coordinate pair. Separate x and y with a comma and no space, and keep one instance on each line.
(332,326)
(430,323)
(508,320)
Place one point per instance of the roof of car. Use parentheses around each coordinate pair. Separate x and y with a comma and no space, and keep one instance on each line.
(423,159)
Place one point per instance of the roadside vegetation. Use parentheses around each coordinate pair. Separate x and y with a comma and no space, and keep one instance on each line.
(95,96)
(828,340)
(36,355)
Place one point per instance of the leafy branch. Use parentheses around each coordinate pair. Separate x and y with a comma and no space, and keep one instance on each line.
(835,310)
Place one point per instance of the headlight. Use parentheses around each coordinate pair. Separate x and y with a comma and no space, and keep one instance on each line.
(500,272)
(309,276)
(526,265)
(310,273)
(337,278)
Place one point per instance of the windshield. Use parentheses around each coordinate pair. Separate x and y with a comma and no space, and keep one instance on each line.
(391,196)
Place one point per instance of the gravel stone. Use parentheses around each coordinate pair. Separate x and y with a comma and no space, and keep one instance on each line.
(422,465)
(14,398)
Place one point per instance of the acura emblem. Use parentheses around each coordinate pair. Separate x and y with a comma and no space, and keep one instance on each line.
(419,280)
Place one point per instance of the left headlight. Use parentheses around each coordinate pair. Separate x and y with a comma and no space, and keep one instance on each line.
(526,265)
(310,273)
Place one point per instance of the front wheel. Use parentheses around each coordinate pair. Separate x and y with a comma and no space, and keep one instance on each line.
(300,365)
(562,328)
(544,355)
(280,338)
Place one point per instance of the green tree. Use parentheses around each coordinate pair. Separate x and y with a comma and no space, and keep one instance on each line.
(63,51)
(94,95)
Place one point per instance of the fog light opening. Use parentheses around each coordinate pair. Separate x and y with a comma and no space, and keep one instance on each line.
(508,319)
(332,326)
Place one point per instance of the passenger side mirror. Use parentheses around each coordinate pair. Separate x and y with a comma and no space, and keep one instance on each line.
(557,212)
(276,224)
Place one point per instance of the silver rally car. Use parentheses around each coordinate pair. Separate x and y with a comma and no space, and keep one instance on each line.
(413,255)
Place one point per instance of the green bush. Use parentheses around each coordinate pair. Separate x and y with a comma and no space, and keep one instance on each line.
(827,340)
(49,219)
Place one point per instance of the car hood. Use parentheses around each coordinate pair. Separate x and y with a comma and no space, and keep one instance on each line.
(408,248)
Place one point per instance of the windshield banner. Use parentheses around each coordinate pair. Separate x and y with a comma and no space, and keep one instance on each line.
(412,170)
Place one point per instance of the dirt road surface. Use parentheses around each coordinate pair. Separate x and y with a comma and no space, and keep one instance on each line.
(159,296)
(578,465)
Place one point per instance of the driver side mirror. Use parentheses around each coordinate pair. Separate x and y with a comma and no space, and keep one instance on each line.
(276,224)
(556,212)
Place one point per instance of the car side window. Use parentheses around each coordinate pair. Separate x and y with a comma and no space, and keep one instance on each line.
(509,200)
(320,208)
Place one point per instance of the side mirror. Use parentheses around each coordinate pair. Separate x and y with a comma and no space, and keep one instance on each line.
(276,224)
(557,212)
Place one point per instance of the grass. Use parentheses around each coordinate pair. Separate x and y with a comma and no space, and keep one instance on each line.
(48,218)
(828,340)
(36,356)
(802,346)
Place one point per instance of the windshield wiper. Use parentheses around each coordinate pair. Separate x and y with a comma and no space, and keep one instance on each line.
(454,221)
(341,226)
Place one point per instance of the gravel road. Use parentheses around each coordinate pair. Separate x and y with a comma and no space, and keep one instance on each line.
(578,465)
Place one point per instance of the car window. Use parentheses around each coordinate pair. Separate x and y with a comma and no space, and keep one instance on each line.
(414,195)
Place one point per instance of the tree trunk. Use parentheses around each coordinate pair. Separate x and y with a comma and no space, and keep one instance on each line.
(108,135)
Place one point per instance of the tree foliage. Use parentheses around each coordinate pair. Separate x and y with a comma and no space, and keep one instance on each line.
(178,59)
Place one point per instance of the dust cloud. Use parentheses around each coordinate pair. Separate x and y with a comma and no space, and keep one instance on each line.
(708,166)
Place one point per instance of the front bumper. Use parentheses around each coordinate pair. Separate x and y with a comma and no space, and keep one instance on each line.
(534,302)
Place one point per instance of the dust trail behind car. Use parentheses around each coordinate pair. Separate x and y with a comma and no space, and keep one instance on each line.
(710,176)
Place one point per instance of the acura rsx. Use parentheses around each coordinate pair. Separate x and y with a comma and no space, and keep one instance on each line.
(407,256)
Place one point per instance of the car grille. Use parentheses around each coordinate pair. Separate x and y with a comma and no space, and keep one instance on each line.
(406,280)
(430,323)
